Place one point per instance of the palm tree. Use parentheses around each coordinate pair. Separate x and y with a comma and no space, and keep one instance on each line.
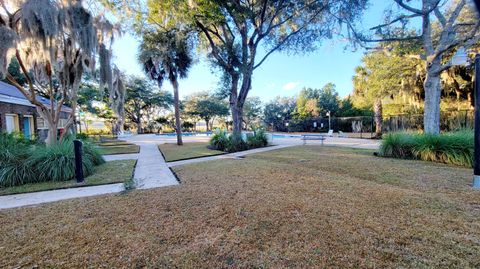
(166,55)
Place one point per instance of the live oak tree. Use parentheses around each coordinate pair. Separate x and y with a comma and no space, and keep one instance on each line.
(56,41)
(312,103)
(206,107)
(278,111)
(441,27)
(141,98)
(307,104)
(328,100)
(240,35)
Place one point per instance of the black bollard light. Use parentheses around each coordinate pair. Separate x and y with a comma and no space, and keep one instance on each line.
(77,146)
(476,89)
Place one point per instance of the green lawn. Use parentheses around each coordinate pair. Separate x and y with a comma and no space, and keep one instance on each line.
(300,207)
(109,172)
(173,152)
(115,143)
(119,149)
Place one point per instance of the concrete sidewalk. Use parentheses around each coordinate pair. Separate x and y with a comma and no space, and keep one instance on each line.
(34,198)
(151,170)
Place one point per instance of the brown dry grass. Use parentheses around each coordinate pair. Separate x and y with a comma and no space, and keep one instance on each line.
(297,207)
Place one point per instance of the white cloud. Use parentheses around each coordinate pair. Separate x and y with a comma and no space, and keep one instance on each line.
(290,86)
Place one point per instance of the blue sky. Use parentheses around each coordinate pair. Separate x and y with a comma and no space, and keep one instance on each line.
(280,75)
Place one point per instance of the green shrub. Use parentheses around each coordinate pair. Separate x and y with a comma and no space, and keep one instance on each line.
(397,145)
(14,151)
(452,148)
(220,140)
(14,169)
(56,162)
(258,140)
(22,162)
(91,151)
(82,136)
(236,143)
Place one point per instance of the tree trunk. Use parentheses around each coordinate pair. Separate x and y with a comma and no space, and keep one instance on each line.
(237,118)
(431,115)
(48,118)
(139,127)
(71,121)
(206,124)
(377,108)
(178,125)
(235,108)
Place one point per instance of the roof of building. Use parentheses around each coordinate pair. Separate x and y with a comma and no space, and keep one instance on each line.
(10,94)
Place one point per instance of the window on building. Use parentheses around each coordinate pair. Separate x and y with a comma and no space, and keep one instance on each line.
(41,124)
(11,123)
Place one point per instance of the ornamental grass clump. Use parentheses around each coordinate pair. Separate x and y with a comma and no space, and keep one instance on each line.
(451,148)
(219,140)
(14,150)
(57,162)
(258,139)
(397,145)
(22,161)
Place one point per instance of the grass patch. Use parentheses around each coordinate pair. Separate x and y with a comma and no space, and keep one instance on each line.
(119,149)
(107,173)
(173,152)
(299,207)
(115,143)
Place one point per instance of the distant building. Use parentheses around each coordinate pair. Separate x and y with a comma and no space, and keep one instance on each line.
(17,114)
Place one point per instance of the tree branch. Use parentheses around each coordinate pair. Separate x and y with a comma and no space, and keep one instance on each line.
(409,8)
(401,17)
(440,17)
(282,42)
(25,73)
(215,53)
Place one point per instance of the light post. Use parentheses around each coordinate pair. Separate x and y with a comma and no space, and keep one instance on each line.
(461,58)
(328,114)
